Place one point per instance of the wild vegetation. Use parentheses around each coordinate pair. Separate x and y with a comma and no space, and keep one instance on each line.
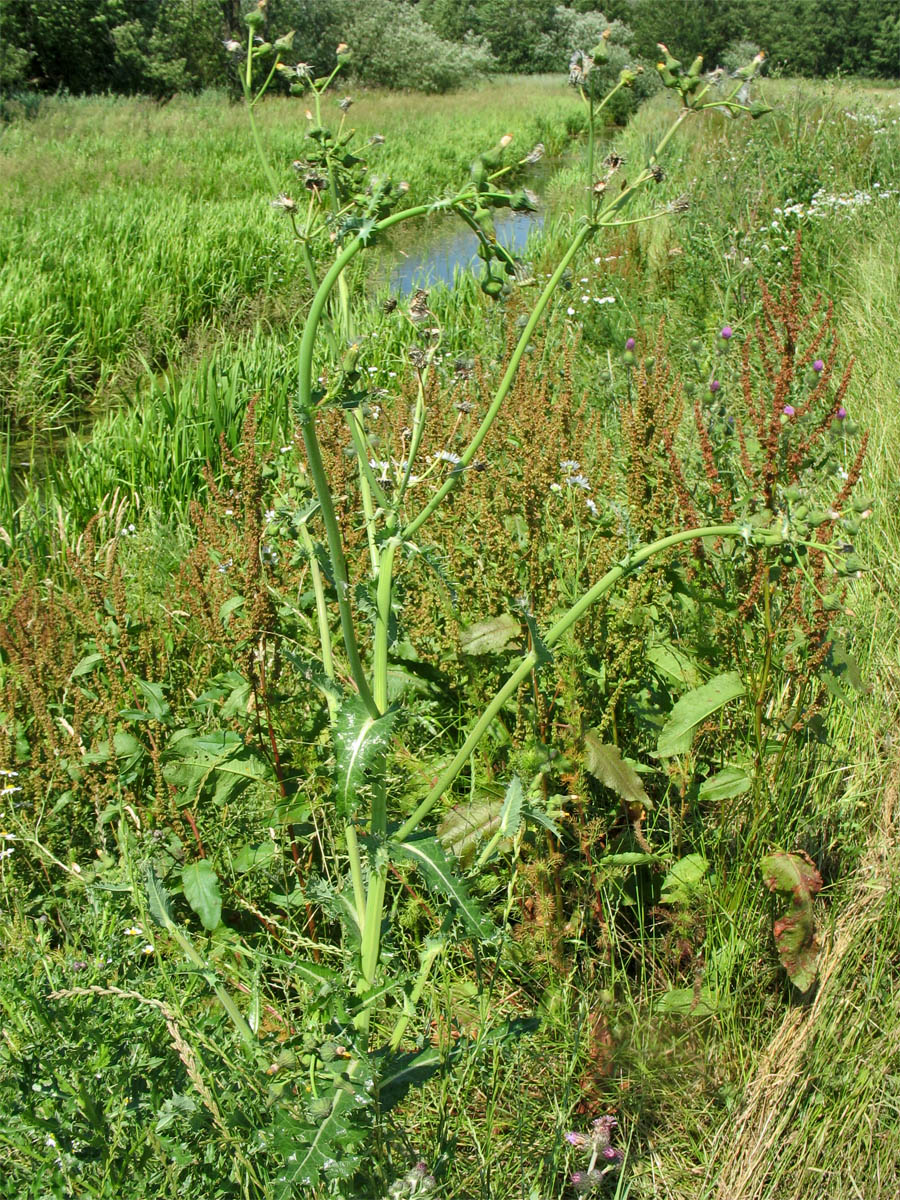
(447,737)
(161,47)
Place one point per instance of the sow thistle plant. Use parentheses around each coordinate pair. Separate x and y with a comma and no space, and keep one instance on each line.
(331,1089)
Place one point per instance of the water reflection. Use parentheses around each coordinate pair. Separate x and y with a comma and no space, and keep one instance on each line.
(450,246)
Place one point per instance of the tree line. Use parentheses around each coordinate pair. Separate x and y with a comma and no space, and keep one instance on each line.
(160,47)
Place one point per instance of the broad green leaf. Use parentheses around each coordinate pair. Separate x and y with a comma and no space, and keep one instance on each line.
(360,744)
(314,975)
(841,674)
(220,761)
(201,890)
(795,931)
(694,708)
(730,782)
(490,637)
(86,665)
(232,604)
(606,764)
(685,1002)
(429,857)
(413,1069)
(249,857)
(629,858)
(683,878)
(672,662)
(154,699)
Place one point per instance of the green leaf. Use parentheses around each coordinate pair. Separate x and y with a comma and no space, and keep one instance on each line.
(490,637)
(86,665)
(323,1151)
(232,604)
(841,674)
(606,764)
(795,931)
(405,1071)
(683,878)
(429,857)
(158,900)
(201,890)
(249,857)
(466,825)
(672,662)
(511,813)
(730,782)
(360,743)
(219,760)
(154,699)
(628,858)
(694,708)
(685,1002)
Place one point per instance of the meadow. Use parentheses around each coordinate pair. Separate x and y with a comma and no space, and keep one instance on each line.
(254,915)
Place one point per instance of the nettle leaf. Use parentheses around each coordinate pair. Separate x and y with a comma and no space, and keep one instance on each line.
(683,879)
(428,855)
(360,744)
(606,764)
(692,709)
(490,637)
(201,890)
(794,876)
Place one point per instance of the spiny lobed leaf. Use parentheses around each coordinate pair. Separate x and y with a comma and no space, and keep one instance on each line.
(428,854)
(360,743)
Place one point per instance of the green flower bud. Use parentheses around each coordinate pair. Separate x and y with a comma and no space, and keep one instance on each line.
(285,42)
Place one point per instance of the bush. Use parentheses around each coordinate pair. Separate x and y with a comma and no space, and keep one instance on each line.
(392,46)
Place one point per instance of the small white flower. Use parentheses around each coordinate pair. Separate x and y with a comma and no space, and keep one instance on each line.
(134,931)
(570,311)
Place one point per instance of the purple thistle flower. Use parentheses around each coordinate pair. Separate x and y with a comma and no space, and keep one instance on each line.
(788,410)
(629,343)
(714,386)
(612,1155)
(727,332)
(576,1139)
(818,365)
(841,413)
